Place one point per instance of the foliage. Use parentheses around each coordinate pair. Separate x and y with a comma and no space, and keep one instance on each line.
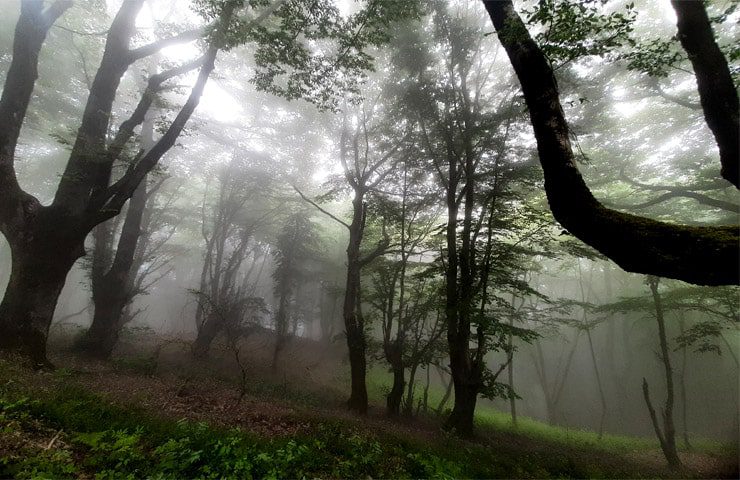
(112,442)
(307,49)
(578,29)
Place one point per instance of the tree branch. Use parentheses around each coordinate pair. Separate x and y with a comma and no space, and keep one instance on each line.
(55,11)
(315,205)
(717,92)
(30,32)
(703,199)
(119,192)
(126,130)
(154,47)
(700,255)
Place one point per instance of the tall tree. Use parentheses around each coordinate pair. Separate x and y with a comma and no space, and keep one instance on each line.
(448,100)
(46,240)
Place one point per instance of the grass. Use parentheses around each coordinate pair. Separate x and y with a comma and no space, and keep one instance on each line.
(108,441)
(490,419)
(52,427)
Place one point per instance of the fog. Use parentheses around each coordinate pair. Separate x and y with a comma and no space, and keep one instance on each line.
(352,202)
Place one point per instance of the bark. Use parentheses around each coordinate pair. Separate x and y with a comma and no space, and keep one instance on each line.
(424,404)
(394,397)
(700,255)
(461,418)
(408,404)
(356,344)
(682,387)
(512,398)
(446,396)
(113,290)
(281,325)
(41,260)
(206,333)
(717,93)
(353,321)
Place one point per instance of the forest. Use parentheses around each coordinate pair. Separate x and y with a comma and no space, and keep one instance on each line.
(369,239)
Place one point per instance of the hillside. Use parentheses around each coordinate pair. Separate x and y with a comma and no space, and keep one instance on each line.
(175,418)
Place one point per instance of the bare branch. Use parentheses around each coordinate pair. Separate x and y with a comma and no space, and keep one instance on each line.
(305,198)
(122,190)
(154,47)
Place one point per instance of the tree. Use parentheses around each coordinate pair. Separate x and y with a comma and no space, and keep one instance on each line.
(667,434)
(293,248)
(225,294)
(708,255)
(464,138)
(368,151)
(46,240)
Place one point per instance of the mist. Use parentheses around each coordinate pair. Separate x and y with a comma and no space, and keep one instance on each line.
(369,239)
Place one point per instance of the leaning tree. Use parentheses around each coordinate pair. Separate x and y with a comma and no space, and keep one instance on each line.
(700,255)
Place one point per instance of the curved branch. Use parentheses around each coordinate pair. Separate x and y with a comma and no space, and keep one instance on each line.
(700,255)
(703,199)
(674,192)
(673,98)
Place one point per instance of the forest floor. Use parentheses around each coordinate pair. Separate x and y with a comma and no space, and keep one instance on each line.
(133,417)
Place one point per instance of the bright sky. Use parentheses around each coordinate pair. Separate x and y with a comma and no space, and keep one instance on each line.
(215,102)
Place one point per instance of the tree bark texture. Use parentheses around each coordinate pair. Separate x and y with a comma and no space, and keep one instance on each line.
(717,93)
(113,287)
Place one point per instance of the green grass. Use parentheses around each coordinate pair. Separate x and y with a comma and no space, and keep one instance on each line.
(99,438)
(114,442)
(490,419)
(110,441)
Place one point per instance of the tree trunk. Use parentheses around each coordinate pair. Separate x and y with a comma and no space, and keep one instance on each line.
(114,289)
(102,336)
(353,321)
(39,268)
(512,398)
(393,399)
(666,435)
(448,392)
(461,418)
(408,405)
(206,333)
(358,368)
(281,325)
(682,386)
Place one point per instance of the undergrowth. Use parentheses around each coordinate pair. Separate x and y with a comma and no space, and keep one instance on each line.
(96,438)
